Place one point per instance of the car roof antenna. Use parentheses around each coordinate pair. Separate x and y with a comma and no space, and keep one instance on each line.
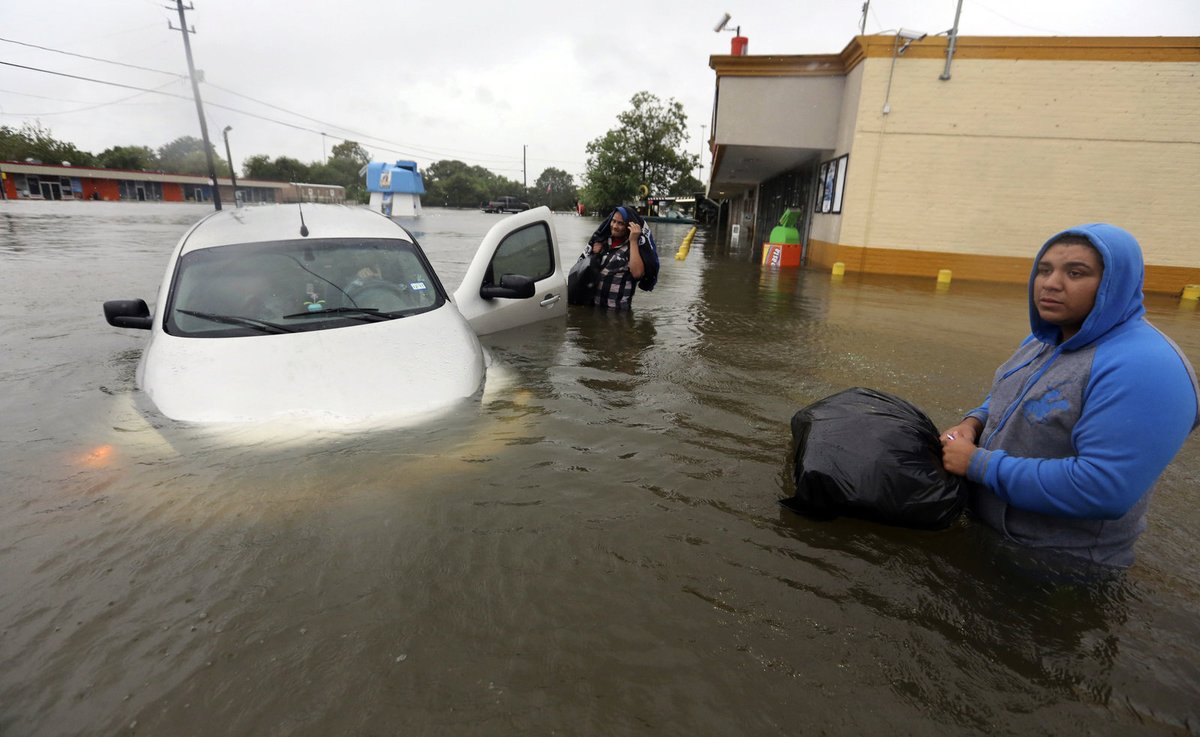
(303,227)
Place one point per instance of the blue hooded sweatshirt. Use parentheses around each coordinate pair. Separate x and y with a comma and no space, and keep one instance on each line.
(1076,433)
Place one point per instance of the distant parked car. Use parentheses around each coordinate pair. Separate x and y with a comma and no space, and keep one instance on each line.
(329,312)
(505,204)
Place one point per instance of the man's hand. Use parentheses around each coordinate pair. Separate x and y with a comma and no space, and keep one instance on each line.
(956,454)
(968,428)
(958,445)
(637,269)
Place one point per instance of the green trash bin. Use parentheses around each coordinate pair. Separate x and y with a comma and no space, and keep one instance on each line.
(786,231)
(783,247)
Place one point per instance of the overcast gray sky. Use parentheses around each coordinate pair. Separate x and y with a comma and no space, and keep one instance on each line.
(475,81)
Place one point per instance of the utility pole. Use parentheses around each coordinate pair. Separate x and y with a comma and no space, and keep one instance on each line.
(187,47)
(524,171)
(866,6)
(701,162)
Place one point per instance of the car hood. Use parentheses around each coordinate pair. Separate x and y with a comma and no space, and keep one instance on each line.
(367,372)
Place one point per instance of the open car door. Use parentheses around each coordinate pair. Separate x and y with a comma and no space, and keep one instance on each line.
(516,277)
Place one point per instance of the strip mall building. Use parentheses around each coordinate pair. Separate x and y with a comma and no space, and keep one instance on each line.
(23,180)
(902,160)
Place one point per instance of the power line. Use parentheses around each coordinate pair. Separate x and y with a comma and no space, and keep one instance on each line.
(388,146)
(44,97)
(360,134)
(170,94)
(88,79)
(89,107)
(429,151)
(1016,22)
(91,58)
(160,92)
(408,152)
(404,149)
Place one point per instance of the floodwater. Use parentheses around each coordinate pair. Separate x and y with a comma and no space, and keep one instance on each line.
(595,548)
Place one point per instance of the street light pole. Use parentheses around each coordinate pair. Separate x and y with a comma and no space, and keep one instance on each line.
(232,169)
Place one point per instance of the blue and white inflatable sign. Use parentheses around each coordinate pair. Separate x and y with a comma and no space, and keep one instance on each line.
(401,177)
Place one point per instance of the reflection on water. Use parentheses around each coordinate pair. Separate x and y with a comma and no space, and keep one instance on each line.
(594,546)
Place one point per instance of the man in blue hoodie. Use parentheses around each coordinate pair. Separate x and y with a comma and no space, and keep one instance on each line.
(1088,412)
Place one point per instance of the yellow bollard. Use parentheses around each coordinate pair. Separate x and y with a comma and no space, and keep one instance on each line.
(1191,292)
(839,269)
(944,276)
(684,247)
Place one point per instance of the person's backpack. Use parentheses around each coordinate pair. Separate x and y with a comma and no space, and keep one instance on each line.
(581,281)
(649,251)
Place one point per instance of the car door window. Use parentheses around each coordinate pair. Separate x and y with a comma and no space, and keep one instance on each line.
(527,252)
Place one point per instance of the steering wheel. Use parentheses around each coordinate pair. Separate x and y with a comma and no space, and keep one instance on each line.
(384,295)
(260,307)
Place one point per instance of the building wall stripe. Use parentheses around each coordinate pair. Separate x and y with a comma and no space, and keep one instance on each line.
(973,267)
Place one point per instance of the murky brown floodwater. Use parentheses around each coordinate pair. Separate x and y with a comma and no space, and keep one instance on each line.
(594,549)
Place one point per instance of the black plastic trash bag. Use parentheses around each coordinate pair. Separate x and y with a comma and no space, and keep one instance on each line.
(866,453)
(581,282)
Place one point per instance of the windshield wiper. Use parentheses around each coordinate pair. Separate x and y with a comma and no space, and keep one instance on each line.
(369,313)
(249,322)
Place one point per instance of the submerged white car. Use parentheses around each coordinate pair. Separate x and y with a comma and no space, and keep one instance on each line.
(331,312)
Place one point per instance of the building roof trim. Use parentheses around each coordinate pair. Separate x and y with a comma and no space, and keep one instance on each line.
(1016,48)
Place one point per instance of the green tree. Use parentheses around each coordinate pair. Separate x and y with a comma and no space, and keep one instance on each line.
(185,155)
(280,169)
(140,158)
(646,148)
(554,188)
(11,144)
(351,151)
(33,141)
(344,167)
(452,183)
(686,186)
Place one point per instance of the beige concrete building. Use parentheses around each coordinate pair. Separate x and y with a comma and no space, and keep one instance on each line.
(903,161)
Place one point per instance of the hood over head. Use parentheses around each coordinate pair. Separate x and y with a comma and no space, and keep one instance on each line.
(1119,296)
(604,232)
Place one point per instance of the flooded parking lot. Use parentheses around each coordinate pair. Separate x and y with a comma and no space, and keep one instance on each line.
(592,547)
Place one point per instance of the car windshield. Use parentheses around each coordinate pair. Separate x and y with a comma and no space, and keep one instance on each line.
(300,285)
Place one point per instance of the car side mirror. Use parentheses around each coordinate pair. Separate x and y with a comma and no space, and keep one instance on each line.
(128,313)
(512,286)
